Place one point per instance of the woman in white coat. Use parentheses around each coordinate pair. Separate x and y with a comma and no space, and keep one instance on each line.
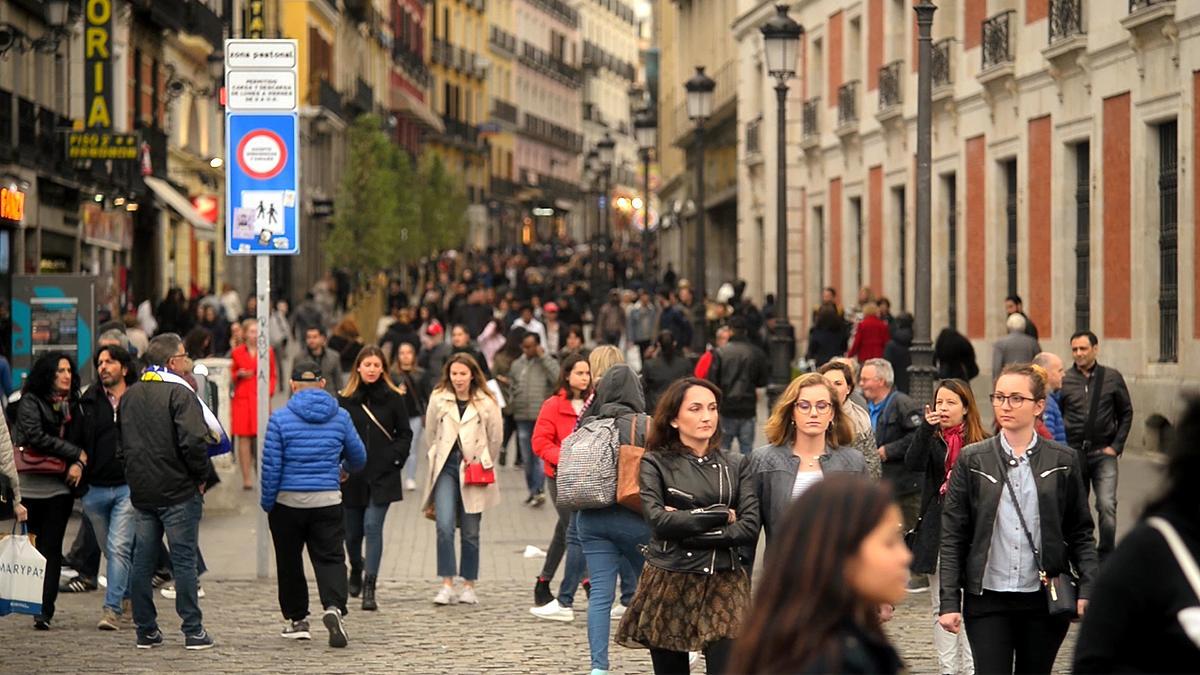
(463,427)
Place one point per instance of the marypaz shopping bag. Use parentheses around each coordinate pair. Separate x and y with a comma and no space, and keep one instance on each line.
(22,571)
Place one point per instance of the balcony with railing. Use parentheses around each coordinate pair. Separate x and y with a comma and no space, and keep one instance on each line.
(942,67)
(997,52)
(502,40)
(848,107)
(811,123)
(441,52)
(552,134)
(412,64)
(459,132)
(1148,14)
(1066,30)
(891,89)
(504,111)
(548,64)
(754,140)
(559,10)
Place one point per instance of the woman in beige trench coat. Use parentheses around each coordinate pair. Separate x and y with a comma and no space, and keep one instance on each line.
(463,426)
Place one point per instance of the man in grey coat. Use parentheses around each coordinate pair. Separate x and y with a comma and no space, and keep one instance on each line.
(329,360)
(1016,347)
(534,377)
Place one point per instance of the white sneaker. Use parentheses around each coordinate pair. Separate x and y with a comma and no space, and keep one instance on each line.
(445,596)
(467,597)
(552,611)
(168,592)
(618,611)
(410,484)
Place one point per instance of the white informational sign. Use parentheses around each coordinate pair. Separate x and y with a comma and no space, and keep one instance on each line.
(261,76)
(262,91)
(251,54)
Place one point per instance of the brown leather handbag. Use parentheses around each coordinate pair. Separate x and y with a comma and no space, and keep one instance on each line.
(31,461)
(629,468)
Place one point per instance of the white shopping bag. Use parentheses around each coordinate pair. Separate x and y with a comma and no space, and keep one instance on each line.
(22,573)
(494,387)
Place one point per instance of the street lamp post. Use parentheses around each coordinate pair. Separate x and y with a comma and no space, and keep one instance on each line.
(645,128)
(606,148)
(922,371)
(699,108)
(592,170)
(781,38)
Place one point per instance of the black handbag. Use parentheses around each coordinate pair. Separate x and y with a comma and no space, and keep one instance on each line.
(1062,590)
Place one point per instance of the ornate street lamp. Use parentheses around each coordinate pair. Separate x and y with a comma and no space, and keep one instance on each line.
(699,108)
(781,41)
(645,130)
(922,371)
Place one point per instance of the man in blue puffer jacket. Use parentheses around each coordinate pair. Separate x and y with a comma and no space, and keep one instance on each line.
(309,447)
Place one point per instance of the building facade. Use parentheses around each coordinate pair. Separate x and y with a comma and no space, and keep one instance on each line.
(505,213)
(1063,132)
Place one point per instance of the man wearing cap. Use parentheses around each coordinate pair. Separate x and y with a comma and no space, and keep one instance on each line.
(310,445)
(556,331)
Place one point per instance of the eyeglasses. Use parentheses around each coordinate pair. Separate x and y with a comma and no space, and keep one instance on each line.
(179,356)
(806,407)
(1013,400)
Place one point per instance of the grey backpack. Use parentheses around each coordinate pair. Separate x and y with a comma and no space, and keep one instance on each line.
(587,466)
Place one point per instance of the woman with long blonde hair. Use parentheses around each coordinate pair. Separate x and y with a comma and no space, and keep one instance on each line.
(380,416)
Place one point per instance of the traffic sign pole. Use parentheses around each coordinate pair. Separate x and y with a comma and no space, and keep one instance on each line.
(263,265)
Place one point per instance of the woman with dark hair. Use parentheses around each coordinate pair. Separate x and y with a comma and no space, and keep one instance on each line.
(809,439)
(44,425)
(555,422)
(198,343)
(414,382)
(381,417)
(665,367)
(950,425)
(502,372)
(1144,607)
(1015,515)
(702,509)
(839,555)
(574,342)
(827,338)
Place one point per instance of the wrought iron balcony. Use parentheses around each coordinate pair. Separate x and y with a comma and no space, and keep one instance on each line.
(329,98)
(997,40)
(1066,19)
(753,133)
(504,111)
(1136,5)
(848,103)
(812,108)
(941,70)
(891,79)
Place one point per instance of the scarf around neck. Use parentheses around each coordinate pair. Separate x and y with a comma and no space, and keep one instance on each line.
(954,444)
(218,440)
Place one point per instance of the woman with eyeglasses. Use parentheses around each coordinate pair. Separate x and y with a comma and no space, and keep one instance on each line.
(950,425)
(809,436)
(1006,493)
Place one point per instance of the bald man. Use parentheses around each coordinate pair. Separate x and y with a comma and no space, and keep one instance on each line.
(1053,366)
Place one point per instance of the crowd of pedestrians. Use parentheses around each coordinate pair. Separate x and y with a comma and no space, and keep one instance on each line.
(863,494)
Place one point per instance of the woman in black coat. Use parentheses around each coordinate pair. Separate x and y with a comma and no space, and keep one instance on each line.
(381,418)
(667,366)
(955,356)
(828,337)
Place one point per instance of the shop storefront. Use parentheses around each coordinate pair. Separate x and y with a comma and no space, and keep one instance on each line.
(107,243)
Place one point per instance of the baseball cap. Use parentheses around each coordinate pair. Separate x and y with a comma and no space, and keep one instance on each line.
(306,371)
(550,307)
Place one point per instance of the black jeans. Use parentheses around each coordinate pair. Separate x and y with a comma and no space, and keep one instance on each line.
(48,523)
(1012,632)
(558,543)
(667,662)
(323,531)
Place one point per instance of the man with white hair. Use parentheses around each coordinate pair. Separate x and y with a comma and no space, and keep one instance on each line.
(1016,347)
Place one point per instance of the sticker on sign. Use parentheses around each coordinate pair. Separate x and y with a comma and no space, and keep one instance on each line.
(251,54)
(262,90)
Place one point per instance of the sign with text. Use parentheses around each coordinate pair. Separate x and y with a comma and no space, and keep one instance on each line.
(97,63)
(101,145)
(12,204)
(261,75)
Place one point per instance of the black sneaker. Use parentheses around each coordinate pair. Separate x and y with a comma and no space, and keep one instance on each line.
(79,584)
(160,579)
(337,628)
(296,630)
(150,641)
(541,592)
(197,642)
(41,623)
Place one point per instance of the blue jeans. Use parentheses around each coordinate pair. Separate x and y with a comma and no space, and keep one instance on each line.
(111,515)
(365,523)
(576,568)
(1102,476)
(535,475)
(181,524)
(610,537)
(448,507)
(741,428)
(417,424)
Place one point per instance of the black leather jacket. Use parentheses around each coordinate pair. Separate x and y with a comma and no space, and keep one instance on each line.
(969,516)
(691,539)
(40,427)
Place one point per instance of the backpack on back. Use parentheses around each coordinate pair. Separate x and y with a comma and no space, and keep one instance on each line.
(587,466)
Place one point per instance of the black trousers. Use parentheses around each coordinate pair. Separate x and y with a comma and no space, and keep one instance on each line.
(667,662)
(323,531)
(48,523)
(1012,632)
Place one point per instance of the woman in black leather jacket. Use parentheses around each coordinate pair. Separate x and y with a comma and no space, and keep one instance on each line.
(44,425)
(702,508)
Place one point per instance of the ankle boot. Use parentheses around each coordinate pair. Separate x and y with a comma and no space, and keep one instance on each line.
(368,594)
(356,581)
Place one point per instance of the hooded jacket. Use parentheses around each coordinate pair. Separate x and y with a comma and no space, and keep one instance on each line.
(306,446)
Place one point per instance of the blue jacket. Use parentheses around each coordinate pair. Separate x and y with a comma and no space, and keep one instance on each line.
(306,444)
(1053,418)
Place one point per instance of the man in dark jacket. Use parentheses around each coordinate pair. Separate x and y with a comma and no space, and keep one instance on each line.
(1101,443)
(898,349)
(308,445)
(738,368)
(164,445)
(329,361)
(674,320)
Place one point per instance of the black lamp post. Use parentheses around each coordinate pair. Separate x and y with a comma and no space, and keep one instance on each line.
(592,169)
(781,38)
(607,150)
(645,129)
(699,108)
(922,371)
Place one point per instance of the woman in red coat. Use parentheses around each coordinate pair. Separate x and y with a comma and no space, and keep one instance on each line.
(244,409)
(871,336)
(555,422)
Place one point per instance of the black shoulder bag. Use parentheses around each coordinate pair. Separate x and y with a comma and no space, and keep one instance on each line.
(1062,590)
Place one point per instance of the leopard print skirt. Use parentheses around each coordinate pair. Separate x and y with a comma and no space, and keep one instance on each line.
(684,612)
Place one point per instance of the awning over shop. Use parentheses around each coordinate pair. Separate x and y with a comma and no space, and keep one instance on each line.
(181,205)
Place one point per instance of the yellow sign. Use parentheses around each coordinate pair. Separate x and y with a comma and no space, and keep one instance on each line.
(101,145)
(12,204)
(97,63)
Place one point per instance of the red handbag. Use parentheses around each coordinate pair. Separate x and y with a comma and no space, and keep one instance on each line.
(31,461)
(475,474)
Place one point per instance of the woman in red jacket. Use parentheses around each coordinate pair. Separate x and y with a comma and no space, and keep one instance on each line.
(870,337)
(555,422)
